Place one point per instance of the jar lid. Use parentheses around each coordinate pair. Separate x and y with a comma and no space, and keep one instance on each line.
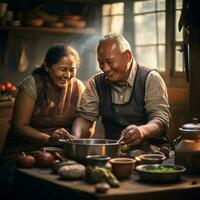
(192,126)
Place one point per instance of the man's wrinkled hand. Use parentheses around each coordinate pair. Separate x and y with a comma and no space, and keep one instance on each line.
(133,135)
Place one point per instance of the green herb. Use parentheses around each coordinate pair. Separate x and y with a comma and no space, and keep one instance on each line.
(160,169)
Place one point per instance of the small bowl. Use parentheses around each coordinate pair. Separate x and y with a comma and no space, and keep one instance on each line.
(152,158)
(98,160)
(122,167)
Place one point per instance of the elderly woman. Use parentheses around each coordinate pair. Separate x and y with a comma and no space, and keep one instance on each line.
(46,102)
(44,108)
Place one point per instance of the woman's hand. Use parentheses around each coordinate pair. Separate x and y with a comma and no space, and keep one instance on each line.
(132,135)
(60,133)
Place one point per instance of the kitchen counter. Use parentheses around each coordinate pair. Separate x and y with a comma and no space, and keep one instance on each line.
(6,108)
(43,183)
(5,104)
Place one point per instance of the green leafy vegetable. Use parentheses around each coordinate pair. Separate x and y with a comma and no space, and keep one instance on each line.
(160,169)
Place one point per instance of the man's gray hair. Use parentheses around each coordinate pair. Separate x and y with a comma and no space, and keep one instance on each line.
(119,38)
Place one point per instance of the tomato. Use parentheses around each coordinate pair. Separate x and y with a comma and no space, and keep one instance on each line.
(8,84)
(2,87)
(12,88)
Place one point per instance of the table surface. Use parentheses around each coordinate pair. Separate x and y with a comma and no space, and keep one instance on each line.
(4,104)
(188,187)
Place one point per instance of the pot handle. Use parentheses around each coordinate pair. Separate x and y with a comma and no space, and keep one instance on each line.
(176,141)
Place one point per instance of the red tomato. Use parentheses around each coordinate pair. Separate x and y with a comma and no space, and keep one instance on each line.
(8,84)
(2,87)
(12,88)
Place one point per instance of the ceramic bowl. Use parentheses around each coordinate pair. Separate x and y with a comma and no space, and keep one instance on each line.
(122,167)
(152,158)
(160,173)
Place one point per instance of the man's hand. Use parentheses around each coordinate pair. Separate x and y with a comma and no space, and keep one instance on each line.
(132,135)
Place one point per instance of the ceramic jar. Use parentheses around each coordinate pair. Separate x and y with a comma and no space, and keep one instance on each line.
(187,147)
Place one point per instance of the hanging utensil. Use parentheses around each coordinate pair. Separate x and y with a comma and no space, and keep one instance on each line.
(23,59)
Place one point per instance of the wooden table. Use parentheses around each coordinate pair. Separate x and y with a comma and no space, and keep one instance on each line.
(6,108)
(43,184)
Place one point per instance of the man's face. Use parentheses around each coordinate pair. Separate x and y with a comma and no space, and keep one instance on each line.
(113,62)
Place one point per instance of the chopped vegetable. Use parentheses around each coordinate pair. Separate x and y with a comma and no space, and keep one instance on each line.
(126,148)
(100,174)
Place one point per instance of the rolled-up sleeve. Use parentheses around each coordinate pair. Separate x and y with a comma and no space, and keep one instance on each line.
(89,104)
(156,99)
(29,87)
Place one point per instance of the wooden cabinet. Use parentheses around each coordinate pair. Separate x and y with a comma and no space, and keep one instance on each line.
(6,109)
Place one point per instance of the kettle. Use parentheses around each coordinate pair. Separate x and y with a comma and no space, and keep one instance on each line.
(187,147)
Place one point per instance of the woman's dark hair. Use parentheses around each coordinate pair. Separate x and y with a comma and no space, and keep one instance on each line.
(55,53)
(58,51)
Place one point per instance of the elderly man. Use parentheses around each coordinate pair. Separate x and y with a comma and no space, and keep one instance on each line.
(131,100)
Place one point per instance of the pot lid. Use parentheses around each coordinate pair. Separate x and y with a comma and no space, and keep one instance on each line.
(192,126)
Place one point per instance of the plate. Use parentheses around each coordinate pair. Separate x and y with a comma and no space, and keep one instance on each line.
(160,173)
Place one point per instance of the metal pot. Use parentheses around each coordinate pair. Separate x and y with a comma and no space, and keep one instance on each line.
(187,147)
(79,149)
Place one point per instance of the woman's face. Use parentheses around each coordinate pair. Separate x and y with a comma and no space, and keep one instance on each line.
(61,72)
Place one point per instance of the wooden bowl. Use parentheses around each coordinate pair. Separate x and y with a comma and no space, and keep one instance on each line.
(75,23)
(56,25)
(72,17)
(37,22)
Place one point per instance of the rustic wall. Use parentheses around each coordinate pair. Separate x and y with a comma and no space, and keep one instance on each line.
(36,45)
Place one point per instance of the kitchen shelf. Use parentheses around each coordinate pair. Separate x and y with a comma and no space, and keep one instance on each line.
(68,30)
(68,1)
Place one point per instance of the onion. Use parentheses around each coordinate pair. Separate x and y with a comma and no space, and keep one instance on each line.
(25,161)
(44,159)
